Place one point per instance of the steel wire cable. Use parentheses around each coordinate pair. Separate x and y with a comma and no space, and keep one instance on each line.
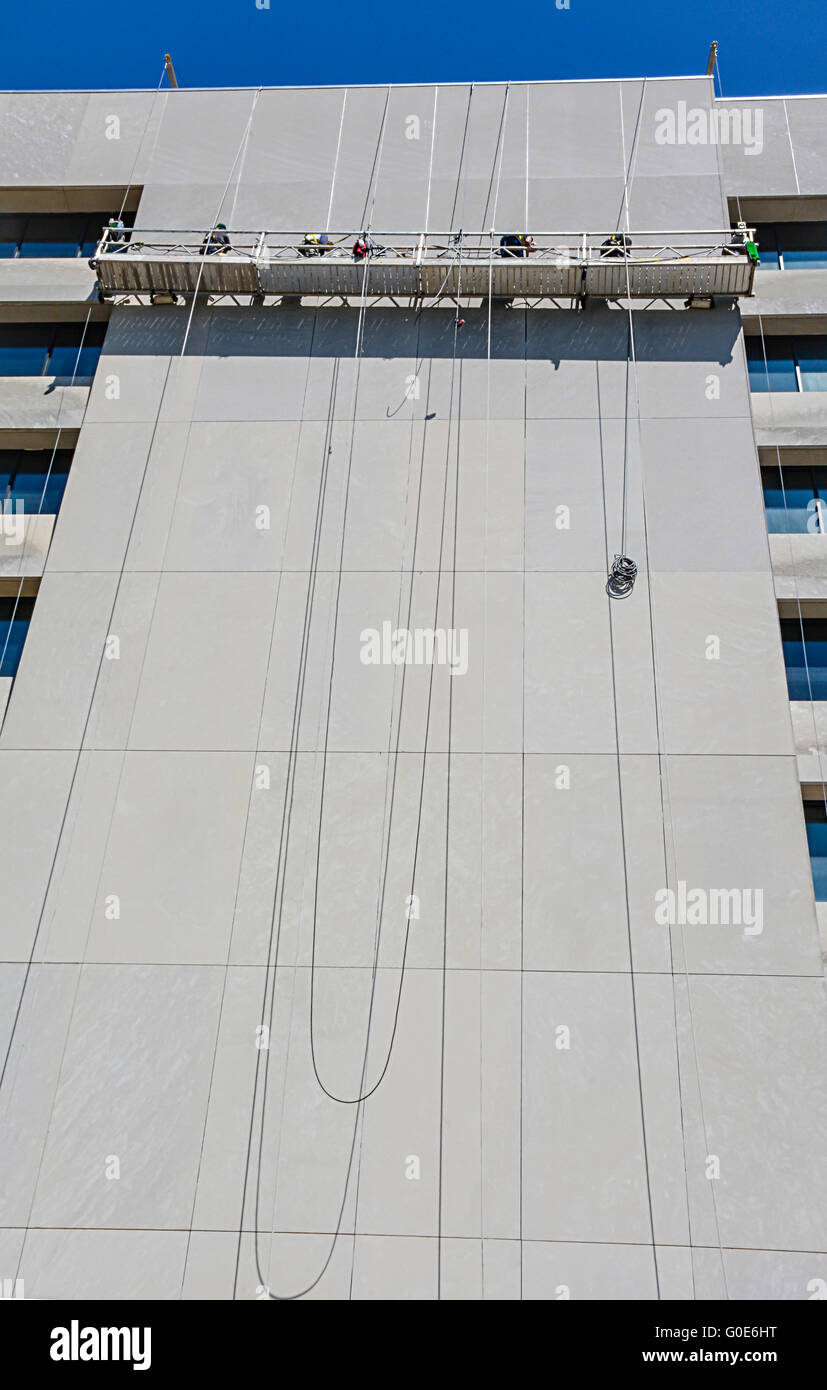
(448,780)
(356,1101)
(390,787)
(666,799)
(364,1094)
(285,532)
(284,841)
(140,144)
(628,914)
(483,741)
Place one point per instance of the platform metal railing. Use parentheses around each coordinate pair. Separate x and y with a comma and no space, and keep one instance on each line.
(648,263)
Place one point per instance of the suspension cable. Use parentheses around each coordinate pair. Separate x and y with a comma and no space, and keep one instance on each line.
(483,859)
(666,805)
(276,917)
(140,144)
(358,1101)
(629,941)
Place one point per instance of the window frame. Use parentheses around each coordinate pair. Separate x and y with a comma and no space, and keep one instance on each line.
(13,610)
(93,337)
(774,234)
(789,481)
(815,813)
(814,630)
(793,357)
(85,223)
(17,462)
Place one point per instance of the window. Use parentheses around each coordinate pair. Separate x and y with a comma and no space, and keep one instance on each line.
(815,818)
(15,616)
(793,364)
(767,240)
(796,501)
(811,353)
(34,479)
(806,661)
(49,349)
(793,245)
(778,372)
(53,234)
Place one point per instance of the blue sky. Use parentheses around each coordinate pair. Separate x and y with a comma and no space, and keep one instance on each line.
(764,47)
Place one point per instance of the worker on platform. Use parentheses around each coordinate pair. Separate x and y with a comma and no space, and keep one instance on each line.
(616,247)
(362,247)
(315,244)
(116,234)
(517,245)
(216,242)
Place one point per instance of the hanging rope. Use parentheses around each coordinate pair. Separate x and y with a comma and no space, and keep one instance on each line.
(623,567)
(622,576)
(276,918)
(666,811)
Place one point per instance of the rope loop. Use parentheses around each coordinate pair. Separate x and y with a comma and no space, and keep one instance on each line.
(622,576)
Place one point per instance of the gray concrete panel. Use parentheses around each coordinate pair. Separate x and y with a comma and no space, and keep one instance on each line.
(114,138)
(164,1016)
(708,855)
(68,632)
(107,469)
(722,684)
(34,790)
(766,170)
(39,132)
(202,683)
(41,403)
(805,119)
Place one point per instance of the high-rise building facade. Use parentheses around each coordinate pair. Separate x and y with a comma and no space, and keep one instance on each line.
(389,911)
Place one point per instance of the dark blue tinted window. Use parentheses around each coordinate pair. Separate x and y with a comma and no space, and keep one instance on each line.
(23,348)
(778,373)
(11,230)
(795,501)
(767,247)
(38,349)
(815,817)
(811,352)
(15,616)
(788,361)
(792,245)
(803,245)
(53,234)
(806,661)
(34,479)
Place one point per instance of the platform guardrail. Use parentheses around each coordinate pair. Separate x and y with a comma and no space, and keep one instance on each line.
(558,264)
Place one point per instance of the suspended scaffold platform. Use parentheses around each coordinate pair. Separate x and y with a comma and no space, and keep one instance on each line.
(559,265)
